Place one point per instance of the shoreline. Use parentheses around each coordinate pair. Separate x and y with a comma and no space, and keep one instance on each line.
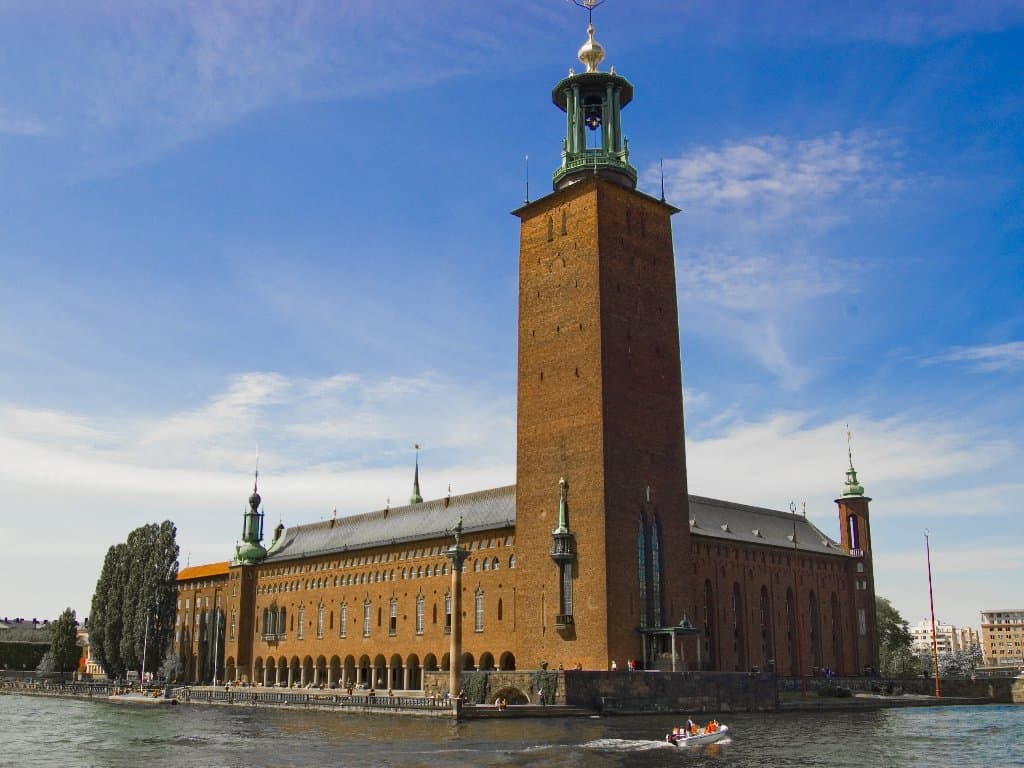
(424,707)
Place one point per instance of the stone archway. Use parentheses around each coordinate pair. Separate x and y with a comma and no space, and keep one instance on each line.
(487,661)
(271,672)
(395,673)
(507,662)
(364,673)
(282,672)
(294,672)
(430,663)
(334,673)
(257,671)
(468,662)
(307,672)
(380,677)
(511,695)
(413,674)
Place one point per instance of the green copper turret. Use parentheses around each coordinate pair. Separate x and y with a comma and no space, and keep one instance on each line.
(251,551)
(593,102)
(851,487)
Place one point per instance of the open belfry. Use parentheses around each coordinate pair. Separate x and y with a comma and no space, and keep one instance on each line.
(597,557)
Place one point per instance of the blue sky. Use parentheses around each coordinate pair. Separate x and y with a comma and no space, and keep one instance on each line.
(230,227)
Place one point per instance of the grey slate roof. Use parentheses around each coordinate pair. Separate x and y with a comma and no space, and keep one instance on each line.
(496,508)
(756,525)
(481,511)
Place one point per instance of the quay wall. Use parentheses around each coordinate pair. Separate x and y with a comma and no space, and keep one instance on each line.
(999,690)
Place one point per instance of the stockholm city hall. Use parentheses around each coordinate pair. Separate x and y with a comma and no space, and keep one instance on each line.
(597,554)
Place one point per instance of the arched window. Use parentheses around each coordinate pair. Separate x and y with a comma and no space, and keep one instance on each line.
(393,617)
(487,564)
(367,614)
(419,613)
(656,571)
(495,564)
(641,570)
(710,641)
(476,566)
(478,624)
(320,621)
(511,561)
(343,619)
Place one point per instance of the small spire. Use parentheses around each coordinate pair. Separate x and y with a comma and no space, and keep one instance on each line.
(563,507)
(416,498)
(448,499)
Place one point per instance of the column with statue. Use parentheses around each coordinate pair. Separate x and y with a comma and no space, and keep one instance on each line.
(457,554)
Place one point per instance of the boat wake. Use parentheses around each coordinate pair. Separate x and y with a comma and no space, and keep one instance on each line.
(627,745)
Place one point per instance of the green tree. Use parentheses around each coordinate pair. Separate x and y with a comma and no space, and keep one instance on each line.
(64,643)
(894,642)
(134,604)
(960,663)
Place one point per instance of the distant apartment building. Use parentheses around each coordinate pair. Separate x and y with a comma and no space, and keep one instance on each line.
(1002,636)
(947,637)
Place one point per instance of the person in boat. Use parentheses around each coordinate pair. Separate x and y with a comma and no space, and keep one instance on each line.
(712,727)
(691,727)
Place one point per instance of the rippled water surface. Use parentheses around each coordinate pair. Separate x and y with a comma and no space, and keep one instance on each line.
(65,732)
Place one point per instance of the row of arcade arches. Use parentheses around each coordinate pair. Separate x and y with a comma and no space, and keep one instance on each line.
(380,672)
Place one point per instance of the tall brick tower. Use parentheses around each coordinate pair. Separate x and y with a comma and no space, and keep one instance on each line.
(601,556)
(855,538)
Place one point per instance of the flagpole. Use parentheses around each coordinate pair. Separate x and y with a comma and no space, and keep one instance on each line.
(931,601)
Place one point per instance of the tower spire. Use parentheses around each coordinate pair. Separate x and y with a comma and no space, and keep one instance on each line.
(851,487)
(416,498)
(592,101)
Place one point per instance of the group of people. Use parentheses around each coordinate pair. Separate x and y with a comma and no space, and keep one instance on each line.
(630,665)
(690,729)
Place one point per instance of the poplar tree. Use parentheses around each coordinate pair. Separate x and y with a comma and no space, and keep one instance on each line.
(134,604)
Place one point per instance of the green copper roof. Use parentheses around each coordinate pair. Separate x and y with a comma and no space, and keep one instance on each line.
(851,487)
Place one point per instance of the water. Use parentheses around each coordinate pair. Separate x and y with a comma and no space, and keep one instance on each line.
(71,733)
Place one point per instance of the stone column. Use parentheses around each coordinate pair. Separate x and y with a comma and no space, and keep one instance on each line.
(291,675)
(316,675)
(405,677)
(457,555)
(266,677)
(302,676)
(330,676)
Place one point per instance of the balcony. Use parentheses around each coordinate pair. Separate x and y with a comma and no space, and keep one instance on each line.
(856,553)
(563,620)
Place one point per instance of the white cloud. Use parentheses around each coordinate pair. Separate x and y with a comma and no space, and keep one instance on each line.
(785,457)
(775,177)
(986,357)
(755,259)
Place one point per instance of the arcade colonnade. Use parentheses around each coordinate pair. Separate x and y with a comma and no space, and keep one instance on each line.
(382,672)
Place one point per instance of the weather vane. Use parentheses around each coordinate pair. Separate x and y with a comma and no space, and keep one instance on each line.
(590,5)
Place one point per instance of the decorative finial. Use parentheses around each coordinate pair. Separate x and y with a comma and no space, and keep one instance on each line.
(661,165)
(804,507)
(448,498)
(591,53)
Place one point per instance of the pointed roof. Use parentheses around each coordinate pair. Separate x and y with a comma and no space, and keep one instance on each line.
(851,488)
(416,498)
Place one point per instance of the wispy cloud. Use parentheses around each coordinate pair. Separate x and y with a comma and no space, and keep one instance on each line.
(135,79)
(755,254)
(776,177)
(985,357)
(20,124)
